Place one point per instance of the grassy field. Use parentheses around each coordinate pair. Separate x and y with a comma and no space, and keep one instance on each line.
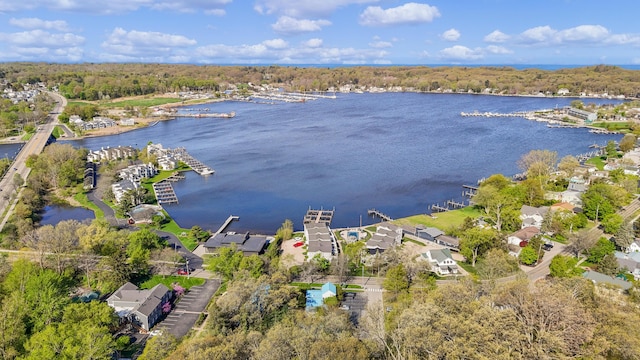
(168,280)
(441,220)
(141,102)
(84,201)
(597,161)
(57,132)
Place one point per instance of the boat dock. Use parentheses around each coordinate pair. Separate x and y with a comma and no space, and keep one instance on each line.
(318,216)
(226,224)
(197,166)
(228,115)
(164,193)
(176,176)
(374,212)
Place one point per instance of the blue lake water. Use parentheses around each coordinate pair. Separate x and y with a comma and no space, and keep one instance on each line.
(55,213)
(397,152)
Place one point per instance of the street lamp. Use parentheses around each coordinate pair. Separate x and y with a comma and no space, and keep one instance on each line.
(188,272)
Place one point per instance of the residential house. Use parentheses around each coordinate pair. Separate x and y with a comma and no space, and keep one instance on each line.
(438,236)
(135,173)
(121,187)
(429,233)
(248,244)
(386,236)
(562,206)
(320,240)
(634,247)
(167,162)
(441,261)
(127,122)
(316,298)
(109,153)
(532,216)
(142,307)
(630,262)
(520,239)
(597,277)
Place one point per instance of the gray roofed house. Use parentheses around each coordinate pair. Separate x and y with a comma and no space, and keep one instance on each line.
(141,307)
(248,244)
(385,237)
(429,233)
(630,262)
(320,240)
(532,216)
(450,241)
(441,261)
(597,277)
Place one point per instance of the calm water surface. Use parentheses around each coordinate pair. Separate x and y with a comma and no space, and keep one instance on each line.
(397,152)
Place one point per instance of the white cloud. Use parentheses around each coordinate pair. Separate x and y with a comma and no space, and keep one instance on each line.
(144,44)
(41,45)
(311,52)
(496,36)
(211,7)
(275,44)
(304,8)
(379,44)
(409,13)
(288,25)
(35,23)
(41,38)
(495,49)
(451,35)
(313,43)
(461,53)
(582,34)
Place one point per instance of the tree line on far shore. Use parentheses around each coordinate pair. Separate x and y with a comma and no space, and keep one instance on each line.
(110,81)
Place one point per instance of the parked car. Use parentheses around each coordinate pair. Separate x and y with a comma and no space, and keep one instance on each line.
(547,246)
(182,272)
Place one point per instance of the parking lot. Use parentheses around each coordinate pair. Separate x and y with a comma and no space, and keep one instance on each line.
(191,305)
(355,304)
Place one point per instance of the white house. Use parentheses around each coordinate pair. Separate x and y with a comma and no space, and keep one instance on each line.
(532,216)
(634,247)
(320,240)
(441,261)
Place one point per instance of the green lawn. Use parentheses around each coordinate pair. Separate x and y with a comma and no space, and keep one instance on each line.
(27,136)
(598,161)
(173,227)
(470,269)
(141,102)
(185,282)
(57,132)
(441,220)
(84,201)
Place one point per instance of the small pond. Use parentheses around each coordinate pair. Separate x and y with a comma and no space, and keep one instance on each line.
(53,214)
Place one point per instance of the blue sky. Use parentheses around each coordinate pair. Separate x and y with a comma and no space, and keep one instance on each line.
(335,32)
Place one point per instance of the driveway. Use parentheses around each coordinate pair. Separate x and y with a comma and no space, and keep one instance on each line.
(191,305)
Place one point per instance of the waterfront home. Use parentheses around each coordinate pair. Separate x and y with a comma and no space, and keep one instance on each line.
(316,297)
(120,188)
(429,233)
(386,236)
(245,242)
(135,173)
(143,308)
(587,116)
(127,122)
(167,162)
(320,240)
(109,153)
(441,261)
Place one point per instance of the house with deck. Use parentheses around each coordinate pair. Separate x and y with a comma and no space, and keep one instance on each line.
(245,242)
(441,261)
(386,236)
(320,240)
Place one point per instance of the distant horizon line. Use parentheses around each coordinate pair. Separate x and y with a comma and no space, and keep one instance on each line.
(337,65)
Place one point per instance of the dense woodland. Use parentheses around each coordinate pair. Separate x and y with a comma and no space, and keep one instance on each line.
(109,81)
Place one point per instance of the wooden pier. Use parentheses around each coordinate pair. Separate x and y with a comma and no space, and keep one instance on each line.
(197,166)
(226,223)
(456,205)
(209,115)
(438,208)
(318,216)
(164,193)
(374,212)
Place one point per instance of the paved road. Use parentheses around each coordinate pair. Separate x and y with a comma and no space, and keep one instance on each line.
(34,146)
